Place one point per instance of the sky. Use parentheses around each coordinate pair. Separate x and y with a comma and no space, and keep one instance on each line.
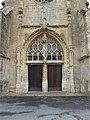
(3,0)
(0,3)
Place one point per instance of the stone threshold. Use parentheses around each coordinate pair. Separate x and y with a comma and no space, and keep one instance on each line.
(35,93)
(53,93)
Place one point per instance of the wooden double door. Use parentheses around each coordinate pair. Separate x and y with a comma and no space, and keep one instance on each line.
(54,76)
(35,77)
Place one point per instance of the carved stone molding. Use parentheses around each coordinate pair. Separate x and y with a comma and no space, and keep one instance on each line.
(26,36)
(48,31)
(1,65)
(43,1)
(69,11)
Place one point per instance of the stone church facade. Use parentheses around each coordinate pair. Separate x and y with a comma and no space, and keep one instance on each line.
(45,46)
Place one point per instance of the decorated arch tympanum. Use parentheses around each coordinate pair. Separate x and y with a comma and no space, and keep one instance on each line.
(44,47)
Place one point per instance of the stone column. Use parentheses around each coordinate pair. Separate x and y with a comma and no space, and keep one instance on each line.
(44,80)
(18,82)
(71,51)
(44,19)
(0,30)
(88,47)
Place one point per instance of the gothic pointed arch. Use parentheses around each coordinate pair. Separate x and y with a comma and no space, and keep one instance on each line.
(55,45)
(44,45)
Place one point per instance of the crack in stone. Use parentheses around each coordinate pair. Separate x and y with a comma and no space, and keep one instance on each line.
(65,113)
(53,119)
(77,117)
(13,113)
(45,115)
(60,115)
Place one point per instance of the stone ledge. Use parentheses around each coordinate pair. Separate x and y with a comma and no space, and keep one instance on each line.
(35,94)
(53,26)
(3,56)
(83,57)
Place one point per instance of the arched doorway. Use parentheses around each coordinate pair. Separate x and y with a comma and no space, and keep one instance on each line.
(44,58)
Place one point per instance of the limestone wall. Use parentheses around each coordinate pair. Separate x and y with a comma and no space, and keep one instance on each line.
(9,38)
(79,42)
(0,29)
(88,45)
(83,36)
(80,24)
(83,51)
(76,46)
(13,42)
(54,12)
(4,53)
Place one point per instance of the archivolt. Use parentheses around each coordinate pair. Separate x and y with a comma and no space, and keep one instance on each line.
(59,37)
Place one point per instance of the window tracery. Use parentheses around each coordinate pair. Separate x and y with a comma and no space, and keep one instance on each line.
(44,1)
(53,50)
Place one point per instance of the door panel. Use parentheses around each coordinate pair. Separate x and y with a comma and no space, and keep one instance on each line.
(35,77)
(54,77)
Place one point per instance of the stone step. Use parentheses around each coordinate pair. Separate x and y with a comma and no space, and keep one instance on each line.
(35,93)
(54,93)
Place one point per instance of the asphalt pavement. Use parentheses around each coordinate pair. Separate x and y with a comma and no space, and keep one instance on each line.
(44,108)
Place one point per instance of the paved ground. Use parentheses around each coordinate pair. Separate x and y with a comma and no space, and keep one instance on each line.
(44,108)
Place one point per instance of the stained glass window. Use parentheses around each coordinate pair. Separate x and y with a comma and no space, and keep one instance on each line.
(53,50)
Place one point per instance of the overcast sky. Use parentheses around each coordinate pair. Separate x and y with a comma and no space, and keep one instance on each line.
(3,0)
(0,3)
